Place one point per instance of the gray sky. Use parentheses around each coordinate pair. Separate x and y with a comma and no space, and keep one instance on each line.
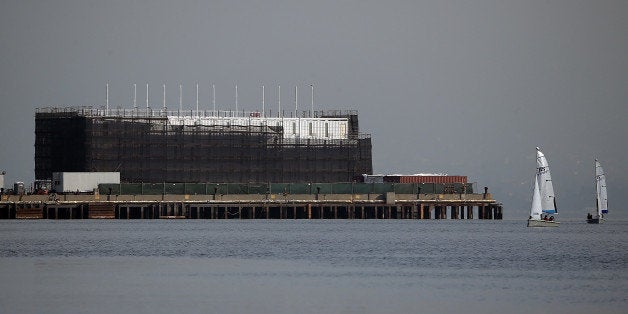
(462,87)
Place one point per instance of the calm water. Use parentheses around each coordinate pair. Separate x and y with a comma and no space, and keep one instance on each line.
(342,266)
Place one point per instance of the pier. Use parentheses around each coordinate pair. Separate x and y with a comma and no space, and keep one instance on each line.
(252,206)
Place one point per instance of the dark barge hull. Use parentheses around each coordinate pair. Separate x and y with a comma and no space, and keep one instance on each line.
(375,206)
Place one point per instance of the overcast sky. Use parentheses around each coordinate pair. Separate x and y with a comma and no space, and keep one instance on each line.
(461,87)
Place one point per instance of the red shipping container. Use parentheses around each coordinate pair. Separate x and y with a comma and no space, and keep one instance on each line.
(425,179)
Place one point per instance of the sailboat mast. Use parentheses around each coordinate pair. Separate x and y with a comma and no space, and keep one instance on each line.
(548,199)
(597,191)
(600,189)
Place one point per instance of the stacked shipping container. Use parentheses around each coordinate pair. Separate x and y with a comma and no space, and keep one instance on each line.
(413,178)
(425,179)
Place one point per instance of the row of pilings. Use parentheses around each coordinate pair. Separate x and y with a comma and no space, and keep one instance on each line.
(250,210)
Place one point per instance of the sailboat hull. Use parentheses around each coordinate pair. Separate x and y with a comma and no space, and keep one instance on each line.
(542,223)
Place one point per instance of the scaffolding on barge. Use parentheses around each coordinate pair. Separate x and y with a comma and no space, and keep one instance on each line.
(147,145)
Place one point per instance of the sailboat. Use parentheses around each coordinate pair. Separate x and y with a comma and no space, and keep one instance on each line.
(601,196)
(543,206)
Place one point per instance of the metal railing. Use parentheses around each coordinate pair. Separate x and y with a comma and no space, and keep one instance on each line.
(149,112)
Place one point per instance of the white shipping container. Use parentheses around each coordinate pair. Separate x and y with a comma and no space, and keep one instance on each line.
(82,181)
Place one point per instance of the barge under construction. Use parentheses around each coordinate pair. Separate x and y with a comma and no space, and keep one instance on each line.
(266,166)
(147,145)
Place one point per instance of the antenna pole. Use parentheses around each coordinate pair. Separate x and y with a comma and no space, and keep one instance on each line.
(263,102)
(134,96)
(236,109)
(107,100)
(180,98)
(197,113)
(312,110)
(147,96)
(279,101)
(214,97)
(164,88)
(296,101)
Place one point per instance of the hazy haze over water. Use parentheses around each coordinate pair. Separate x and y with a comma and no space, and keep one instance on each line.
(462,87)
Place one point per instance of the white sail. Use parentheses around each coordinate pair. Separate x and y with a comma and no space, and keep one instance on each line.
(535,210)
(548,202)
(600,184)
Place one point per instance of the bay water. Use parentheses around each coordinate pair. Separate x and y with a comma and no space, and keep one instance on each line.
(312,266)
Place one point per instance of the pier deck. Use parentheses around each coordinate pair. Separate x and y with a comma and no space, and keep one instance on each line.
(252,206)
